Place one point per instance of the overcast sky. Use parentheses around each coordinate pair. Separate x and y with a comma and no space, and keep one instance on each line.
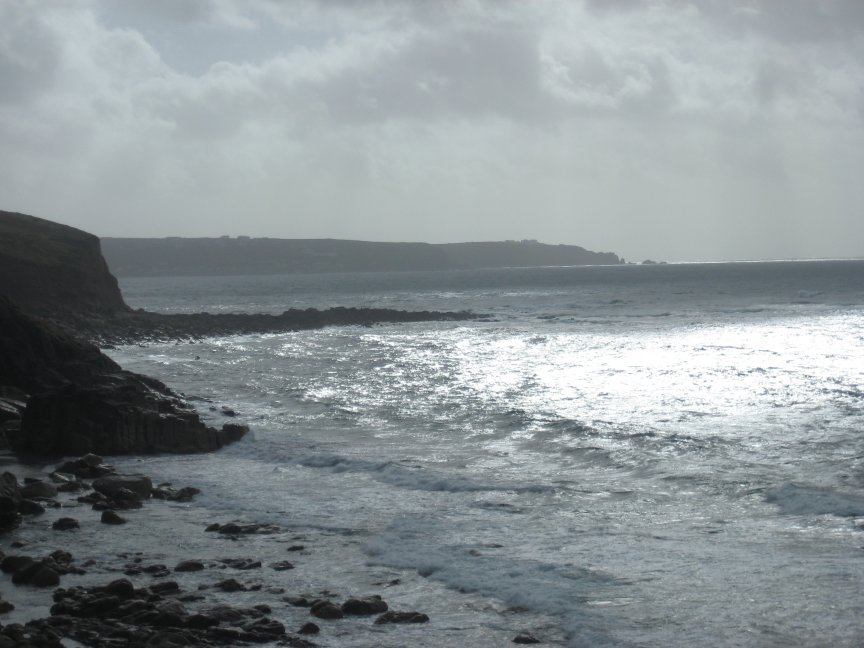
(678,130)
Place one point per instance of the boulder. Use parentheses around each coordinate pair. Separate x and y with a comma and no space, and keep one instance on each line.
(325,610)
(82,468)
(12,564)
(401,617)
(65,524)
(189,566)
(241,563)
(111,517)
(525,638)
(37,574)
(29,507)
(230,585)
(365,606)
(309,628)
(124,486)
(38,488)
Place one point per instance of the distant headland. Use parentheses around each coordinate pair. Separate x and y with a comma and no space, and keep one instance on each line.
(242,255)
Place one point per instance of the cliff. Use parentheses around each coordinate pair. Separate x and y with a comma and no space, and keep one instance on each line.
(245,256)
(78,400)
(53,270)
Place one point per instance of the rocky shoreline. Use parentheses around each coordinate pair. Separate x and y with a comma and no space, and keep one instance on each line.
(147,604)
(97,558)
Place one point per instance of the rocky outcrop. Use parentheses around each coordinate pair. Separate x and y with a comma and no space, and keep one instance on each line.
(35,356)
(81,401)
(128,415)
(141,325)
(55,271)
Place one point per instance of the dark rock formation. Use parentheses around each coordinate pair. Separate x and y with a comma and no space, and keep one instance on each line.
(239,528)
(241,563)
(90,466)
(230,585)
(111,517)
(126,414)
(83,402)
(44,572)
(35,357)
(525,638)
(111,485)
(37,488)
(53,270)
(124,328)
(165,492)
(189,566)
(121,614)
(326,610)
(365,606)
(10,501)
(309,628)
(401,617)
(65,524)
(282,565)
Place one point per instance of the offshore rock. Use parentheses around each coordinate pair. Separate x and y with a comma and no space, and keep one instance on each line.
(401,617)
(525,638)
(189,566)
(65,524)
(365,606)
(325,610)
(111,517)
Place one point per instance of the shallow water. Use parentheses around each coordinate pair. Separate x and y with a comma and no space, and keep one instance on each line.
(619,456)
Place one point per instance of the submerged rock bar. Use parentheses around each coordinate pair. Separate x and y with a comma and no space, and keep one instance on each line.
(141,326)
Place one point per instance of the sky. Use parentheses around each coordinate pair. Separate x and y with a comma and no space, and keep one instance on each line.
(665,129)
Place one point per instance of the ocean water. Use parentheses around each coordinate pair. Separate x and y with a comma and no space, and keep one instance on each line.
(614,456)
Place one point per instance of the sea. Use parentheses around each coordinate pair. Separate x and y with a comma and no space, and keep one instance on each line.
(652,455)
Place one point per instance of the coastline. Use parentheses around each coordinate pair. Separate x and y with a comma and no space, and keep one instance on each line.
(235,566)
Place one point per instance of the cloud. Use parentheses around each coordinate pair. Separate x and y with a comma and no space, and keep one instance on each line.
(580,122)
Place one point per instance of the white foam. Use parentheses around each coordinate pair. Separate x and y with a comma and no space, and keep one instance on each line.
(559,590)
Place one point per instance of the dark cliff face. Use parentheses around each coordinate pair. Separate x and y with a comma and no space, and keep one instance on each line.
(35,357)
(53,270)
(78,400)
